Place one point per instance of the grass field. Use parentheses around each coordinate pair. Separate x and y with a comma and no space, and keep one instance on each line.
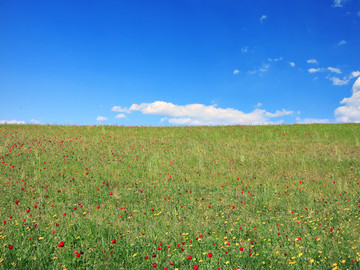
(231,197)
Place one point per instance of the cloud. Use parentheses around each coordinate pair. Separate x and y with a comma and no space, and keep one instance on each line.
(244,49)
(36,122)
(263,18)
(275,59)
(337,3)
(120,109)
(358,13)
(292,64)
(199,114)
(264,68)
(337,81)
(350,112)
(345,79)
(101,118)
(12,122)
(236,71)
(354,74)
(335,70)
(342,42)
(311,120)
(312,61)
(314,70)
(121,115)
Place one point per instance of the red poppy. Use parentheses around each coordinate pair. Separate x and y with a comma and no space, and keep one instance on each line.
(210,255)
(17,202)
(113,241)
(189,257)
(196,267)
(61,244)
(11,246)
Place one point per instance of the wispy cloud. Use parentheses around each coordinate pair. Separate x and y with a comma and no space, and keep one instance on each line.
(199,114)
(358,13)
(311,121)
(335,70)
(101,118)
(13,122)
(292,64)
(263,18)
(244,49)
(338,3)
(34,121)
(314,70)
(346,79)
(338,81)
(263,68)
(236,71)
(275,59)
(312,61)
(350,112)
(341,42)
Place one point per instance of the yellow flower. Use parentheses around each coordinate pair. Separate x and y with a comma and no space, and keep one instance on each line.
(312,260)
(292,262)
(135,255)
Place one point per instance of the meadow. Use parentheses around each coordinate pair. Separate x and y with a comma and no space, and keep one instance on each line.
(225,197)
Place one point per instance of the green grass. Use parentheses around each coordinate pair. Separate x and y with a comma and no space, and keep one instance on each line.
(255,188)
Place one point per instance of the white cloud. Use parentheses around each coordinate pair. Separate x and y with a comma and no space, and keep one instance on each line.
(263,18)
(244,49)
(312,61)
(259,105)
(350,112)
(236,71)
(342,42)
(101,118)
(337,3)
(354,74)
(345,79)
(314,70)
(292,64)
(278,113)
(335,70)
(36,122)
(13,122)
(311,120)
(358,13)
(121,115)
(120,109)
(199,114)
(337,81)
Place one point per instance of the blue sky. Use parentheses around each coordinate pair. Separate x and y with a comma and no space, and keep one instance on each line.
(190,62)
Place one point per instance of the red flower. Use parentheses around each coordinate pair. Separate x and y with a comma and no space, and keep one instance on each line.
(113,241)
(11,246)
(331,229)
(154,265)
(17,202)
(241,249)
(210,255)
(61,244)
(196,267)
(189,257)
(78,255)
(146,257)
